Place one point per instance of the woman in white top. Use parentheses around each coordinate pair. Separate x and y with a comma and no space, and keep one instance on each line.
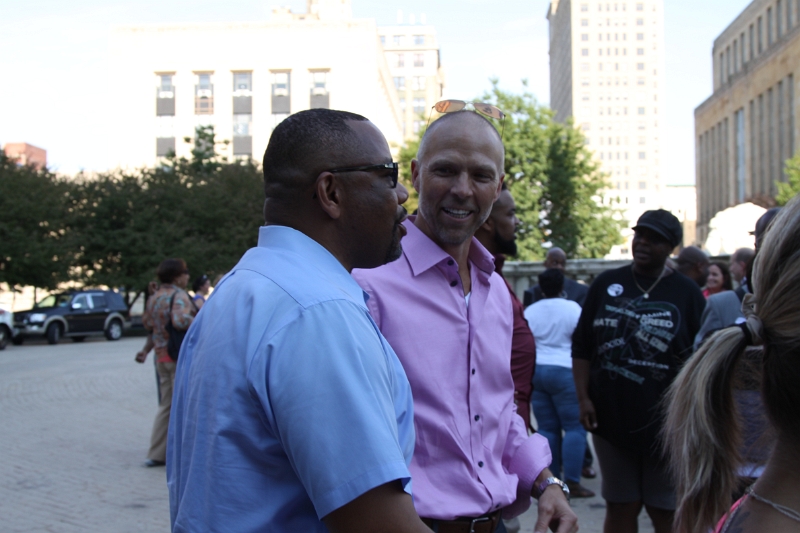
(554,400)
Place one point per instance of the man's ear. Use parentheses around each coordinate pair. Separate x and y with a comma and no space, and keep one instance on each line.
(488,226)
(415,170)
(329,194)
(499,187)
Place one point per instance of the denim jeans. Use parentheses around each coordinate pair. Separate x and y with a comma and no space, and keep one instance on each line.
(555,406)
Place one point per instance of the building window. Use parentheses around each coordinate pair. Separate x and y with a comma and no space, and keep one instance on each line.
(640,36)
(418,83)
(740,168)
(419,40)
(584,22)
(584,82)
(399,60)
(203,94)
(769,26)
(642,185)
(760,35)
(584,7)
(585,52)
(398,40)
(281,92)
(639,81)
(242,93)
(383,40)
(640,7)
(403,105)
(419,60)
(642,155)
(640,22)
(419,106)
(165,96)
(585,67)
(584,37)
(640,51)
(779,18)
(319,97)
(165,146)
(639,66)
(642,200)
(400,83)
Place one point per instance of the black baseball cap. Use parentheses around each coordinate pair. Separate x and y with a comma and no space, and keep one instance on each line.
(662,222)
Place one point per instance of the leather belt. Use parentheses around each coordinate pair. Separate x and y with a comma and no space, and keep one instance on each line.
(482,524)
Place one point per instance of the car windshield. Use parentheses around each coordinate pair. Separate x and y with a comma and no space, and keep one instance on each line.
(55,300)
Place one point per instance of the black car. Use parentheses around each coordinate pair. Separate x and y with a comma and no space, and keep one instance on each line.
(75,314)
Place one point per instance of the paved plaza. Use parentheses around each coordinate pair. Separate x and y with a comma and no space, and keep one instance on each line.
(75,423)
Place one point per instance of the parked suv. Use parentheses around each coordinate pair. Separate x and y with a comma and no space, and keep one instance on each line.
(75,314)
(6,327)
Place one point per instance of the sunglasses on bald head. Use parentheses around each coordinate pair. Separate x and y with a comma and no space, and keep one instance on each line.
(487,110)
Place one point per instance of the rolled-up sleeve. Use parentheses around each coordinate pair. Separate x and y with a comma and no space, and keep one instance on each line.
(526,456)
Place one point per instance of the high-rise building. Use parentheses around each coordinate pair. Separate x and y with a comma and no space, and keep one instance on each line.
(245,77)
(412,53)
(747,129)
(607,74)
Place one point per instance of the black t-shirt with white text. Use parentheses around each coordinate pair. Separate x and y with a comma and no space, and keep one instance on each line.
(636,346)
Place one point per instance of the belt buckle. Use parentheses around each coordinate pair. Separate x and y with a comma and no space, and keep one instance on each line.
(477,521)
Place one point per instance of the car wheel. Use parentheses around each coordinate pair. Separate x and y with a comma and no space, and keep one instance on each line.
(114,330)
(78,339)
(5,335)
(18,340)
(54,333)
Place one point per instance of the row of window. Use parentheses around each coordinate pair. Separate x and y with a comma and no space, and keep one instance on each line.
(614,82)
(617,67)
(417,105)
(399,60)
(242,92)
(640,125)
(615,6)
(617,22)
(771,25)
(756,141)
(639,36)
(639,51)
(400,40)
(417,83)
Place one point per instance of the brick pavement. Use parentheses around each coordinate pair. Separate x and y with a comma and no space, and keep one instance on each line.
(75,422)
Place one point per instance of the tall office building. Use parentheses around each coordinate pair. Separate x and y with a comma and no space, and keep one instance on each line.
(747,129)
(245,77)
(412,52)
(607,73)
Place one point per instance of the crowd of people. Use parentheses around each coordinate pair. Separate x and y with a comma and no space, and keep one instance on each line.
(362,369)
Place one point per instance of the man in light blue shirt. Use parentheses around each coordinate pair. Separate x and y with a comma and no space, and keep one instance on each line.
(291,412)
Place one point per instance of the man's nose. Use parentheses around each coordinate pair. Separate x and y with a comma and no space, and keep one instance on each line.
(462,187)
(402,193)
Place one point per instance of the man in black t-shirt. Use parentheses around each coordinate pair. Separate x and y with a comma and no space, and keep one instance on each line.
(636,330)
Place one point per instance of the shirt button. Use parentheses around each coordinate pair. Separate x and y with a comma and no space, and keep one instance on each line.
(453,283)
(480,464)
(450,262)
(473,371)
(477,417)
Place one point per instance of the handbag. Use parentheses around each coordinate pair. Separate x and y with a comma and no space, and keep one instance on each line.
(175,335)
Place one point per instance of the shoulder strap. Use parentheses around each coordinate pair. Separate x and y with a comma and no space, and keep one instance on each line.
(171,303)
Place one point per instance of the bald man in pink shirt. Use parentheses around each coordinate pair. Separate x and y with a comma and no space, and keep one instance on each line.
(448,316)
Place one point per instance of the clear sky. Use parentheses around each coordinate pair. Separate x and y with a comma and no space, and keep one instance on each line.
(54,55)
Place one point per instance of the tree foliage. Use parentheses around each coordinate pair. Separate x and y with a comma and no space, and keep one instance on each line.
(114,228)
(555,183)
(790,189)
(33,226)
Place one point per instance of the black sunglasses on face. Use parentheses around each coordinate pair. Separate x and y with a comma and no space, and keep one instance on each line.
(393,167)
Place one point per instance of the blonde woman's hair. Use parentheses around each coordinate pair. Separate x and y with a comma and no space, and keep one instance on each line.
(702,430)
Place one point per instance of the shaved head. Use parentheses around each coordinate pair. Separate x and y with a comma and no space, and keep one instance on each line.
(462,119)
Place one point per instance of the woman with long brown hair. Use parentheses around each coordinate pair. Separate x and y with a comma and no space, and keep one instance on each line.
(703,429)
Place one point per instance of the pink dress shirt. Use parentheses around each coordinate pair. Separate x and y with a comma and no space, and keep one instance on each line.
(473,454)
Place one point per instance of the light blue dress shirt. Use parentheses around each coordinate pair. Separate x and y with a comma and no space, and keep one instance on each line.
(288,401)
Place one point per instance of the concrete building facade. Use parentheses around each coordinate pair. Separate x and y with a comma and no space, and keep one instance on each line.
(244,78)
(412,52)
(607,74)
(747,129)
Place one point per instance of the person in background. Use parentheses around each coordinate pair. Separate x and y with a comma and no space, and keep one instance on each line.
(739,264)
(693,263)
(201,288)
(554,400)
(498,236)
(703,427)
(170,303)
(719,279)
(557,258)
(635,331)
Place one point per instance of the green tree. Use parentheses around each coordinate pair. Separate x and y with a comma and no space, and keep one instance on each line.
(789,189)
(34,226)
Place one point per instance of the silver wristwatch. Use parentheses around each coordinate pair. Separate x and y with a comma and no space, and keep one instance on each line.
(540,488)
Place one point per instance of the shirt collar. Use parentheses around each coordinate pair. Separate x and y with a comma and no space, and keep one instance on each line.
(423,253)
(313,254)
